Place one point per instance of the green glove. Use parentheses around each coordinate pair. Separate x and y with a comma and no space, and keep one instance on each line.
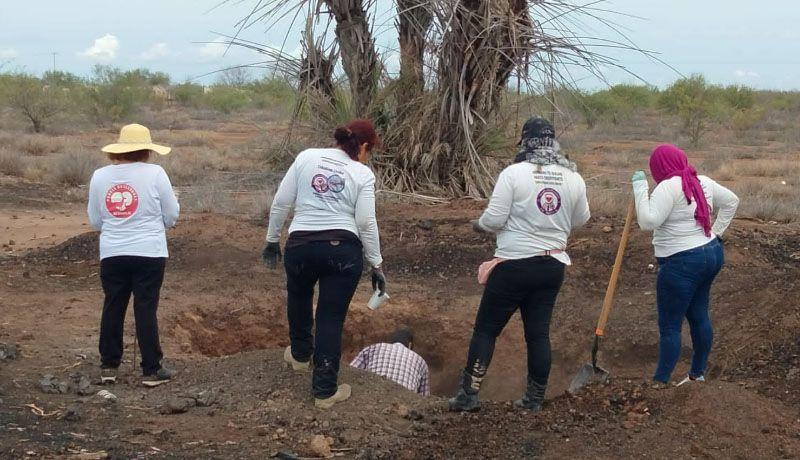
(637,176)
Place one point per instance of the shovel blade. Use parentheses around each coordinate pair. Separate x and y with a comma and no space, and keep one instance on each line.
(587,374)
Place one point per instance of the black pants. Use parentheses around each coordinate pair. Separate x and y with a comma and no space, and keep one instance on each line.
(531,285)
(337,266)
(121,276)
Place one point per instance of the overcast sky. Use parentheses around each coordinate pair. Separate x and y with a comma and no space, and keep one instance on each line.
(733,41)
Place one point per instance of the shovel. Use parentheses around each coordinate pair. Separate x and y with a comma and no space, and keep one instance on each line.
(592,372)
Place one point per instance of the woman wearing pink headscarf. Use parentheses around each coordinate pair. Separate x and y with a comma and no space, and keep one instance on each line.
(688,249)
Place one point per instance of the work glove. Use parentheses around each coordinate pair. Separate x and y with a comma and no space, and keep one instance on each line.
(271,255)
(637,176)
(378,280)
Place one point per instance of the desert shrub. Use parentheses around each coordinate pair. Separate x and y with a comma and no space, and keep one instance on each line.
(745,120)
(616,104)
(114,95)
(32,99)
(694,102)
(38,145)
(76,168)
(207,198)
(11,163)
(226,99)
(187,94)
(739,97)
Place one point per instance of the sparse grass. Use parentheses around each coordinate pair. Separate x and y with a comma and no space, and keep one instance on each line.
(187,139)
(607,202)
(11,163)
(38,145)
(208,198)
(76,168)
(770,168)
(768,200)
(191,166)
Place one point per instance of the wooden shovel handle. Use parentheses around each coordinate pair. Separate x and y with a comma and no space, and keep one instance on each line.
(612,283)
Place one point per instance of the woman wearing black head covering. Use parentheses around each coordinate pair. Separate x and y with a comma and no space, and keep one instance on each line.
(535,204)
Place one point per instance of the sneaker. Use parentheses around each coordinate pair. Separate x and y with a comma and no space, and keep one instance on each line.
(690,379)
(293,363)
(108,375)
(163,375)
(656,385)
(463,402)
(343,393)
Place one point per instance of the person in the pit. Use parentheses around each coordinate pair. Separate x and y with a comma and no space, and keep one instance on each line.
(396,360)
(536,203)
(131,203)
(688,249)
(334,228)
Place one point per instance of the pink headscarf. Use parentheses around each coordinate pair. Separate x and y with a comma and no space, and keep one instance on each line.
(669,161)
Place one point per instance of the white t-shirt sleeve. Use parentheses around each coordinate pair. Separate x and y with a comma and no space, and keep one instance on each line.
(726,202)
(93,208)
(170,209)
(495,216)
(580,213)
(652,211)
(367,223)
(282,203)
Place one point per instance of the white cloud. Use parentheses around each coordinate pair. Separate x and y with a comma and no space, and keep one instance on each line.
(155,52)
(104,48)
(741,73)
(212,51)
(8,53)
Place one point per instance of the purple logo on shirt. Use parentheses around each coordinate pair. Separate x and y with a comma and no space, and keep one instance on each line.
(320,183)
(336,183)
(549,201)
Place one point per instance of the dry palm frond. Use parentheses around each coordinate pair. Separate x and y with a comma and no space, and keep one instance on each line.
(440,120)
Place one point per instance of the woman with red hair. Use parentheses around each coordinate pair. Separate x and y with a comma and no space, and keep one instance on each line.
(688,249)
(334,228)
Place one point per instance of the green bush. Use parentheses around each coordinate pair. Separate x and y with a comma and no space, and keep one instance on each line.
(32,99)
(226,99)
(114,95)
(187,94)
(694,102)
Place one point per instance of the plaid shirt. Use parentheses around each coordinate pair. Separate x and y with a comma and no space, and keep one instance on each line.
(397,363)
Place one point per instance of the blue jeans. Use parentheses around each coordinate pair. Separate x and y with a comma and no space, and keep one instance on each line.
(682,290)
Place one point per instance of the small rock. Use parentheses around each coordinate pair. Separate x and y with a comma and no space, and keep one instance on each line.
(50,384)
(178,405)
(607,229)
(320,446)
(11,242)
(402,411)
(793,373)
(72,414)
(105,397)
(8,351)
(261,431)
(206,398)
(84,386)
(425,224)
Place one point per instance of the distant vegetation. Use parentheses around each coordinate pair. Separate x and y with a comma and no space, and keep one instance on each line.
(111,96)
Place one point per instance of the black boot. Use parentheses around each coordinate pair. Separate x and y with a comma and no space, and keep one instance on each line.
(533,399)
(466,399)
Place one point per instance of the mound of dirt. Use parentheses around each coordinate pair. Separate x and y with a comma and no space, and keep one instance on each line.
(80,248)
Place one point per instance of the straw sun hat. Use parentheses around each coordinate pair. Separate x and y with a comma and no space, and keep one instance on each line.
(135,137)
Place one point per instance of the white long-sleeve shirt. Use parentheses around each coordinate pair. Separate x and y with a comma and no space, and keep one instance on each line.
(329,191)
(672,219)
(534,208)
(132,204)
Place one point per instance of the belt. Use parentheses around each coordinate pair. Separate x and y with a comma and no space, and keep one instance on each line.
(548,252)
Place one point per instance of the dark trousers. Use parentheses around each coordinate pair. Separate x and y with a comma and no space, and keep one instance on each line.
(337,266)
(683,289)
(531,285)
(122,276)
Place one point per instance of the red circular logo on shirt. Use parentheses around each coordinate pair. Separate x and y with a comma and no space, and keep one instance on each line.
(549,201)
(122,201)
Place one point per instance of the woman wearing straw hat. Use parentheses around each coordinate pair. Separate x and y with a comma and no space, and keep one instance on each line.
(689,251)
(131,203)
